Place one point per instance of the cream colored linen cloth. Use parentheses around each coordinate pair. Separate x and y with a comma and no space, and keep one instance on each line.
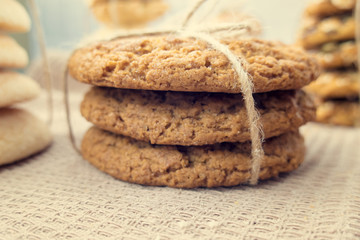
(58,195)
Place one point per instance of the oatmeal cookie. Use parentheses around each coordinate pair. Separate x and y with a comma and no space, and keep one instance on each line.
(182,118)
(226,164)
(185,64)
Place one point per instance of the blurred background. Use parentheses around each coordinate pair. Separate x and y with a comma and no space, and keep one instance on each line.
(67,22)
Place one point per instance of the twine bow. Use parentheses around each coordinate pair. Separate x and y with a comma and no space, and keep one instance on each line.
(246,85)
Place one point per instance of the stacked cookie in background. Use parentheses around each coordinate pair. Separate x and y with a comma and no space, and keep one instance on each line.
(127,13)
(168,110)
(329,33)
(21,133)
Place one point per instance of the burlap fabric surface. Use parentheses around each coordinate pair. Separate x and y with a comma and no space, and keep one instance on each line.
(58,195)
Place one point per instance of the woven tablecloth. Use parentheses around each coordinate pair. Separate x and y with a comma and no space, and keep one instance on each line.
(58,195)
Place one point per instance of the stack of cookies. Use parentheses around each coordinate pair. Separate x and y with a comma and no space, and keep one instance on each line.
(329,33)
(127,13)
(21,133)
(168,110)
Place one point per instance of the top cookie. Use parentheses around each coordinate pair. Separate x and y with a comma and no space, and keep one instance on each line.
(186,64)
(13,17)
(324,8)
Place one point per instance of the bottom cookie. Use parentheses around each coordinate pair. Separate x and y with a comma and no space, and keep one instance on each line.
(225,164)
(344,113)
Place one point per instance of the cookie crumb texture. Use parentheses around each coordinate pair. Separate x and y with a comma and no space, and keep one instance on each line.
(182,118)
(225,164)
(186,64)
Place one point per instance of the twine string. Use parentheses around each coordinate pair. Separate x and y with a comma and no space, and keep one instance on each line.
(226,29)
(192,12)
(239,64)
(246,87)
(47,73)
